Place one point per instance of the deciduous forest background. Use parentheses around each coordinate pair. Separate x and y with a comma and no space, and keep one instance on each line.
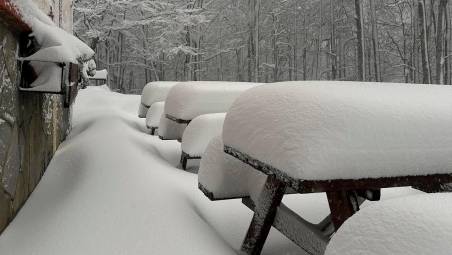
(268,40)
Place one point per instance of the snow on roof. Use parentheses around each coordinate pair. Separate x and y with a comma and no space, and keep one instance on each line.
(156,91)
(418,224)
(227,177)
(344,130)
(200,131)
(100,75)
(56,45)
(190,99)
(154,114)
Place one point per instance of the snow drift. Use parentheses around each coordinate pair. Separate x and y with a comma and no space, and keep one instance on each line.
(414,225)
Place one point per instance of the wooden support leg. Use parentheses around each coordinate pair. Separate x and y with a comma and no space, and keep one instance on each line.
(264,215)
(343,204)
(152,131)
(183,160)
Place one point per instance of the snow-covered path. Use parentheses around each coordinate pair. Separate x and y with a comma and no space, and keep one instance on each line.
(113,189)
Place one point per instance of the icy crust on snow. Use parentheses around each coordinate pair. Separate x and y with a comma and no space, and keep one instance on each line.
(200,131)
(56,45)
(190,99)
(154,114)
(227,177)
(170,130)
(344,130)
(419,224)
(156,91)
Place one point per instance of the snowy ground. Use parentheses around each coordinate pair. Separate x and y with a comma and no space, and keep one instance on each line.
(113,189)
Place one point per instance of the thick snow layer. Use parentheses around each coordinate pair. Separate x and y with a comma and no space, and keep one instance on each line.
(170,130)
(200,131)
(190,99)
(56,45)
(154,114)
(412,225)
(227,177)
(345,130)
(113,189)
(49,77)
(156,91)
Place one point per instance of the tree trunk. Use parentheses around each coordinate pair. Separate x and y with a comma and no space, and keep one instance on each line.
(373,13)
(440,43)
(360,38)
(424,50)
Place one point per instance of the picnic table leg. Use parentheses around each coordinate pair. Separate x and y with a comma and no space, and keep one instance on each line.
(264,215)
(183,160)
(343,204)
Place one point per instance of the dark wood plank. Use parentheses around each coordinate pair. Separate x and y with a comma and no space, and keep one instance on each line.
(264,215)
(177,120)
(312,186)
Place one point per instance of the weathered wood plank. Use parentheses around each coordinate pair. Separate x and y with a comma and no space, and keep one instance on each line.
(264,215)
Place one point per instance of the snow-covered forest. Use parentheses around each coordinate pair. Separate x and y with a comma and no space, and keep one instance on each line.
(273,40)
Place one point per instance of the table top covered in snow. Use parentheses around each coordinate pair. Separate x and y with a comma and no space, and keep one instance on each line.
(190,99)
(344,130)
(156,91)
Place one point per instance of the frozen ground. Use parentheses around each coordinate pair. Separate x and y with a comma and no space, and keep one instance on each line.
(113,189)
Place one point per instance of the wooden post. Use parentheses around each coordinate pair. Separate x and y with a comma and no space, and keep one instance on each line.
(343,204)
(265,212)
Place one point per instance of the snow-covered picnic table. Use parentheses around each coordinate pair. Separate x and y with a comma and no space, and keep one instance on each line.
(343,138)
(188,100)
(198,134)
(153,116)
(153,92)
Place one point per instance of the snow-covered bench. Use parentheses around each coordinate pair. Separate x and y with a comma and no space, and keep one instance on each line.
(222,176)
(347,139)
(153,92)
(188,100)
(153,116)
(197,135)
(411,225)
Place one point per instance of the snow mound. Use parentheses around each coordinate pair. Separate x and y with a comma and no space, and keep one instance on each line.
(190,99)
(48,77)
(227,177)
(344,130)
(200,131)
(411,225)
(154,114)
(170,130)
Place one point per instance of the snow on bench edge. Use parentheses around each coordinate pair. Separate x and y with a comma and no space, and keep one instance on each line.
(418,224)
(227,177)
(200,131)
(190,99)
(344,130)
(170,130)
(154,114)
